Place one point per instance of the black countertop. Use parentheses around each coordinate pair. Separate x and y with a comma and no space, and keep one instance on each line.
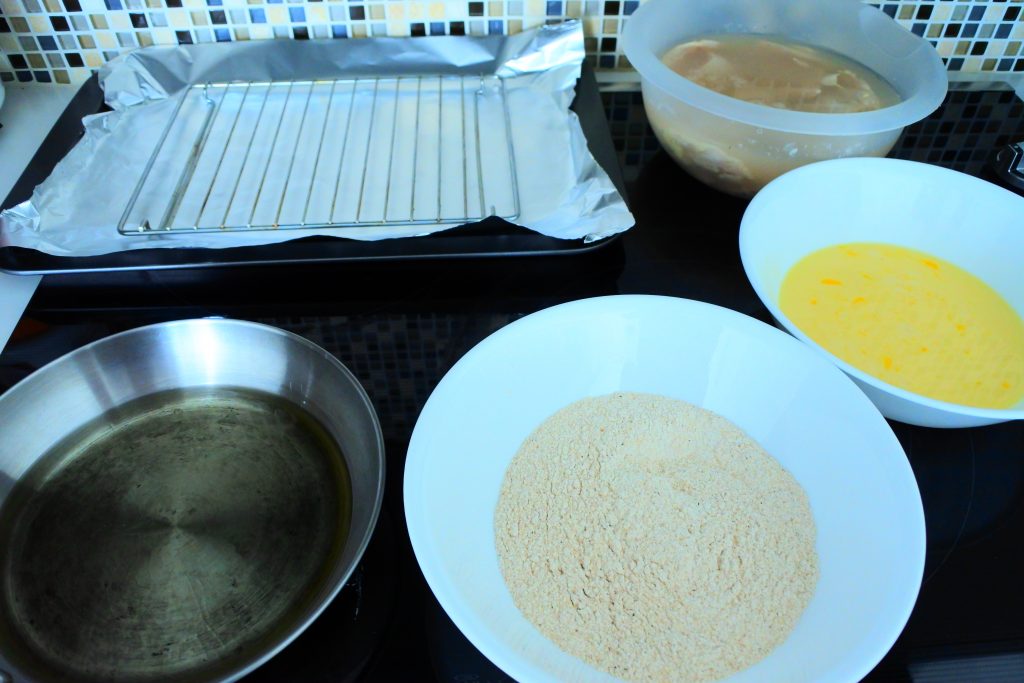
(399,326)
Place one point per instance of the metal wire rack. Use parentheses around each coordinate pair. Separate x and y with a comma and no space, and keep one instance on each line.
(357,152)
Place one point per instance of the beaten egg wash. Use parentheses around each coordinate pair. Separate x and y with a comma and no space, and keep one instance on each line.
(910,319)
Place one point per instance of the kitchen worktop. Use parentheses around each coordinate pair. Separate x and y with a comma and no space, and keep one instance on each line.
(400,326)
(28,113)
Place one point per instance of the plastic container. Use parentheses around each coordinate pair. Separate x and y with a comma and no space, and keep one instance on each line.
(737,146)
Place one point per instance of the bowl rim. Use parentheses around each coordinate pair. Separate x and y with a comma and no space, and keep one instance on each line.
(494,649)
(753,275)
(927,98)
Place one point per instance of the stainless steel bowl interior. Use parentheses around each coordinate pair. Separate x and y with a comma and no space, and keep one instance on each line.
(49,406)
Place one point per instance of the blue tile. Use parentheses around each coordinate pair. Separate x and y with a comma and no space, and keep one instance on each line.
(43,76)
(1005,64)
(24,76)
(297,13)
(607,61)
(630,7)
(969,30)
(918,29)
(956,64)
(494,27)
(47,42)
(223,35)
(890,10)
(1003,30)
(977,13)
(112,4)
(274,2)
(339,31)
(437,28)
(258,16)
(214,3)
(554,8)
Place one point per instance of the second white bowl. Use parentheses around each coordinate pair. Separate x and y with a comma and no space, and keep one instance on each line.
(957,217)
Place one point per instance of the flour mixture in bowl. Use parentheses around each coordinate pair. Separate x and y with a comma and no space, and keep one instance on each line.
(654,539)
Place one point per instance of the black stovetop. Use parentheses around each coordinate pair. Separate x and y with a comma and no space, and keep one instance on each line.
(400,326)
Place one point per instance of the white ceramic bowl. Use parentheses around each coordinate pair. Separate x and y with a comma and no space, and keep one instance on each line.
(802,409)
(957,217)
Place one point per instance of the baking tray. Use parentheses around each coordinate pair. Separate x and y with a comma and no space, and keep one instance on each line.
(489,238)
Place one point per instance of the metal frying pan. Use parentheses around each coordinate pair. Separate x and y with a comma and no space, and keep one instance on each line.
(178,502)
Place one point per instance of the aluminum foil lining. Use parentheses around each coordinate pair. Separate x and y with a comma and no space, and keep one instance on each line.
(239,144)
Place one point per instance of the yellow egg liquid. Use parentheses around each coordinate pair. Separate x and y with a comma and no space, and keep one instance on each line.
(910,319)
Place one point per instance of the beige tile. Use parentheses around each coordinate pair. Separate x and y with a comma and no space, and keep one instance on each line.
(261,32)
(611,26)
(106,40)
(99,22)
(164,36)
(495,9)
(53,6)
(357,30)
(941,12)
(39,23)
(376,12)
(317,14)
(514,25)
(80,74)
(277,15)
(86,42)
(199,18)
(398,29)
(177,18)
(92,59)
(119,21)
(36,61)
(436,10)
(61,77)
(20,25)
(241,34)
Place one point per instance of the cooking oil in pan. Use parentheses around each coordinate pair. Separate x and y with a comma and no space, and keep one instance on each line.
(173,538)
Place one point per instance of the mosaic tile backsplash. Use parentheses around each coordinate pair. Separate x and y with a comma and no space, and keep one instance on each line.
(63,41)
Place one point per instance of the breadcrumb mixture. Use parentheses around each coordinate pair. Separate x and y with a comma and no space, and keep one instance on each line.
(654,539)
